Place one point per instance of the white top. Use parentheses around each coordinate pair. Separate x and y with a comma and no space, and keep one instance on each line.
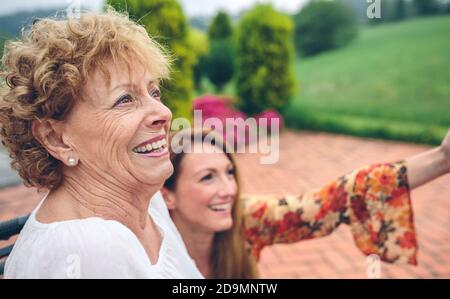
(98,248)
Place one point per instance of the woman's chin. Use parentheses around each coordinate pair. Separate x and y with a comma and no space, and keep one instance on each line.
(169,170)
(224,226)
(164,168)
(157,175)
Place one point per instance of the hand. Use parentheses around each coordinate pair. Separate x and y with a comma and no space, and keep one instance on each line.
(445,146)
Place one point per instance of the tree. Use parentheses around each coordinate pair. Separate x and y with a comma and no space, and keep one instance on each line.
(220,26)
(219,64)
(323,25)
(400,9)
(199,43)
(426,7)
(165,22)
(3,38)
(264,54)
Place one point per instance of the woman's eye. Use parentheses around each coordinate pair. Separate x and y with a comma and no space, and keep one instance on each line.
(206,177)
(231,171)
(124,99)
(156,93)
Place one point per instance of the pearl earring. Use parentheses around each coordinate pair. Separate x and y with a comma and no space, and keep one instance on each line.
(72,161)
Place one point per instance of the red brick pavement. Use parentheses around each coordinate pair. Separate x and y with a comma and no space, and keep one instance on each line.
(310,160)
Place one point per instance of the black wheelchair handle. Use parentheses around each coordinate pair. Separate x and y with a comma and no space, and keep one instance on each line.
(12,227)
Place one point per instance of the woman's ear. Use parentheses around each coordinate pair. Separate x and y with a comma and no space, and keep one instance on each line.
(169,198)
(49,133)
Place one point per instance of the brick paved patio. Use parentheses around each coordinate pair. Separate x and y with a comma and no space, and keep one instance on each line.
(309,160)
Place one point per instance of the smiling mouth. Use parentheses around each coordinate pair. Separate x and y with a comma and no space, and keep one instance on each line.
(151,147)
(220,207)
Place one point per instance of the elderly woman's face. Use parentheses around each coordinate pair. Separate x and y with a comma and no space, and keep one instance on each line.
(205,192)
(119,129)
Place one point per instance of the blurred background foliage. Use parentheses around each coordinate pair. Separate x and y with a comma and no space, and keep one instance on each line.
(337,27)
(325,67)
(218,65)
(264,56)
(165,21)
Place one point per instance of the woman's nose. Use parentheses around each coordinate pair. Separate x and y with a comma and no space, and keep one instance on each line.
(228,187)
(158,116)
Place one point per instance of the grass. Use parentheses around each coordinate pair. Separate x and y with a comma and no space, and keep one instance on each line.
(392,82)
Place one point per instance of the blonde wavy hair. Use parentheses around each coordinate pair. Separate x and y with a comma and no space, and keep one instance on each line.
(230,256)
(44,73)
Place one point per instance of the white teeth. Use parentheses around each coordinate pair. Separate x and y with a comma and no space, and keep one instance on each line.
(220,207)
(151,146)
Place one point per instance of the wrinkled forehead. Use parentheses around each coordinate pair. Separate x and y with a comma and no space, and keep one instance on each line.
(109,74)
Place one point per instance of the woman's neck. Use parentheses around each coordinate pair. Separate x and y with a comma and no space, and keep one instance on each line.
(199,245)
(78,199)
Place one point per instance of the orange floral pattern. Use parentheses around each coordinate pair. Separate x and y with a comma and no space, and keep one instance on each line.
(374,201)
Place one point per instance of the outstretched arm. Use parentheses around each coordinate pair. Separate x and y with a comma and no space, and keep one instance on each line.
(429,165)
(374,200)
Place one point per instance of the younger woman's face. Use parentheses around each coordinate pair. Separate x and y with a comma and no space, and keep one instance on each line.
(205,192)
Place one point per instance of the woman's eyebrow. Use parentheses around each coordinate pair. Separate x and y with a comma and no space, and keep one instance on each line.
(212,169)
(205,169)
(149,83)
(121,85)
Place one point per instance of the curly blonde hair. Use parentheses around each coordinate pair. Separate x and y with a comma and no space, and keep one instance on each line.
(44,73)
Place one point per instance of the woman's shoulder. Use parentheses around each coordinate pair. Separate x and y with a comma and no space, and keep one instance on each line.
(91,247)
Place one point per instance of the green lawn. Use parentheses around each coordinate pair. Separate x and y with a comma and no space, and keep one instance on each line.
(392,82)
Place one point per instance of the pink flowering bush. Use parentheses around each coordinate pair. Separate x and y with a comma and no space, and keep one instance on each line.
(271,117)
(222,109)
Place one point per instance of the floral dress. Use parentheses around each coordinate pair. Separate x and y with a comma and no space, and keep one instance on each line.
(374,201)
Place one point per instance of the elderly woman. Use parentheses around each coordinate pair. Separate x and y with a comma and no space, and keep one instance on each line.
(225,232)
(81,116)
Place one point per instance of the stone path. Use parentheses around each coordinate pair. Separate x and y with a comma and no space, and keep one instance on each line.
(309,160)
